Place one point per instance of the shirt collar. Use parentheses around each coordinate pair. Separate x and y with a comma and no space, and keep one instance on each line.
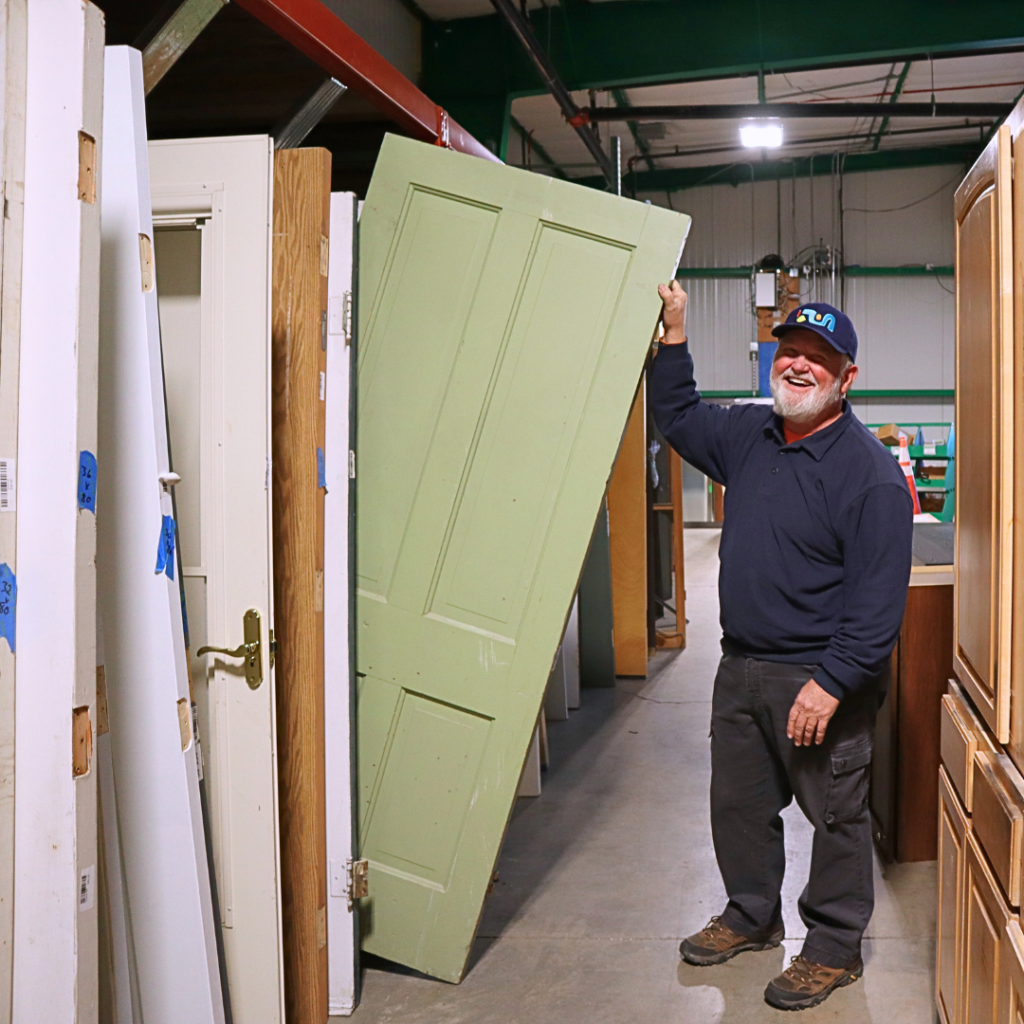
(818,443)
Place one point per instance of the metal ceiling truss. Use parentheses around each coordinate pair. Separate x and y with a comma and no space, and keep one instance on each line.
(627,44)
(731,111)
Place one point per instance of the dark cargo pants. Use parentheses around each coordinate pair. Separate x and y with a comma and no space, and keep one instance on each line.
(755,772)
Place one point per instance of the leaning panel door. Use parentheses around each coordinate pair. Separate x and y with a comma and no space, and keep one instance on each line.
(211,211)
(504,320)
(984,427)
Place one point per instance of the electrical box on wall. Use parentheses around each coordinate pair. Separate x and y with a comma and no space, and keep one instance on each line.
(766,289)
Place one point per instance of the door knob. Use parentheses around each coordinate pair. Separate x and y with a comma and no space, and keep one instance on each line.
(249,649)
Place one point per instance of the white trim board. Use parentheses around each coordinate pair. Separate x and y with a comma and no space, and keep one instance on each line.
(55,912)
(154,757)
(341,922)
(13,27)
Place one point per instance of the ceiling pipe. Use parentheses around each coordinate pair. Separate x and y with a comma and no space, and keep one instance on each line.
(576,117)
(730,111)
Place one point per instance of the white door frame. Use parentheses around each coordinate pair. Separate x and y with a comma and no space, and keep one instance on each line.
(163,839)
(338,715)
(13,43)
(226,185)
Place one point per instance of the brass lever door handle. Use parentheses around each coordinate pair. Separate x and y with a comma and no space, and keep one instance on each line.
(250,649)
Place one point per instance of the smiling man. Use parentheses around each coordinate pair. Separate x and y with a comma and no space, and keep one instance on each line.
(815,563)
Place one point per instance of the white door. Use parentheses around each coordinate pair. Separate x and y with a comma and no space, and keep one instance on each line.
(211,214)
(153,755)
(53,597)
(341,919)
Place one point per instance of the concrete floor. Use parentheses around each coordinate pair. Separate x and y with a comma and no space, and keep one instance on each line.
(602,875)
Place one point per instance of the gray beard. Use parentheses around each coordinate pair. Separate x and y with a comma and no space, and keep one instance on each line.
(806,408)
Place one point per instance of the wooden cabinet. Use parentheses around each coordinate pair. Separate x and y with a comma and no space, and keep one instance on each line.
(904,801)
(1011,1010)
(985,431)
(986,915)
(952,845)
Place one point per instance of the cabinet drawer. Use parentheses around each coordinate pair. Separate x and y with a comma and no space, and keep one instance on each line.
(998,818)
(961,735)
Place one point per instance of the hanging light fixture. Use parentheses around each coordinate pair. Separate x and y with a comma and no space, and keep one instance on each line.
(761,134)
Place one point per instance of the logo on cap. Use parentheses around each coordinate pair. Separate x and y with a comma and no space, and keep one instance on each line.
(828,321)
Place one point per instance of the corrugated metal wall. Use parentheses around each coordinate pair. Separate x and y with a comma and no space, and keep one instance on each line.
(892,218)
(389,27)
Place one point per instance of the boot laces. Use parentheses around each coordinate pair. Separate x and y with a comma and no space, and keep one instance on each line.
(801,970)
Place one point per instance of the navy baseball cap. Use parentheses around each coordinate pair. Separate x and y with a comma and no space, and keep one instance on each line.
(831,323)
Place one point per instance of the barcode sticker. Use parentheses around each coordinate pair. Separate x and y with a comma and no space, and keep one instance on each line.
(87,888)
(8,486)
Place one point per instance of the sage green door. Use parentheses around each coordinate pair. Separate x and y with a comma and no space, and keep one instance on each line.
(504,319)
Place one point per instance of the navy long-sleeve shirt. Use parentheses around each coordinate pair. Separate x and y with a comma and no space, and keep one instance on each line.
(816,544)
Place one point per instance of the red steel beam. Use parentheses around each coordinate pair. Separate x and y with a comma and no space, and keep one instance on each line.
(323,37)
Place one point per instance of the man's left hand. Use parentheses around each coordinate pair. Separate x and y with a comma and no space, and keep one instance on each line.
(810,715)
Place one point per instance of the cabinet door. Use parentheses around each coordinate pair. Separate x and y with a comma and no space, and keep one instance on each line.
(984,421)
(1012,1009)
(1016,744)
(949,923)
(985,916)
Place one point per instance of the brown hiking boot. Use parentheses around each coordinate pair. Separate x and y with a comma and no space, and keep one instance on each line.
(804,984)
(715,943)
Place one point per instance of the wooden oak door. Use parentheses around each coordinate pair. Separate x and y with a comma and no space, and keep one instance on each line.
(211,211)
(504,321)
(984,423)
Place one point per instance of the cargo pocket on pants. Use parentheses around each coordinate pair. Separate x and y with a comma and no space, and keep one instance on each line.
(848,787)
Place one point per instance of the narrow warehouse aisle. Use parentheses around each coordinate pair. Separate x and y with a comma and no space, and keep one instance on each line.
(602,876)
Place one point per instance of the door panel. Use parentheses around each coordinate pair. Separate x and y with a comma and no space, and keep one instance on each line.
(984,415)
(211,202)
(1016,744)
(338,696)
(504,320)
(159,811)
(949,925)
(986,916)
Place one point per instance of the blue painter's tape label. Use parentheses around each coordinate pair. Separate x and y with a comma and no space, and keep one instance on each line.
(165,552)
(321,469)
(87,481)
(8,603)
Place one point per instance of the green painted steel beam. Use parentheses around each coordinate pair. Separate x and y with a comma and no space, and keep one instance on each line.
(678,178)
(713,272)
(924,270)
(622,100)
(892,99)
(537,148)
(625,43)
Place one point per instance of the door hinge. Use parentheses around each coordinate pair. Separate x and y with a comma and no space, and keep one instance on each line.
(356,880)
(346,317)
(273,649)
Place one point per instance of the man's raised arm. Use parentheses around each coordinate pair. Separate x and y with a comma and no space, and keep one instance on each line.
(701,433)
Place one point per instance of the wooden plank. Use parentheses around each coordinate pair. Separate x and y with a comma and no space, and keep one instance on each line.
(984,416)
(627,533)
(925,664)
(174,37)
(302,194)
